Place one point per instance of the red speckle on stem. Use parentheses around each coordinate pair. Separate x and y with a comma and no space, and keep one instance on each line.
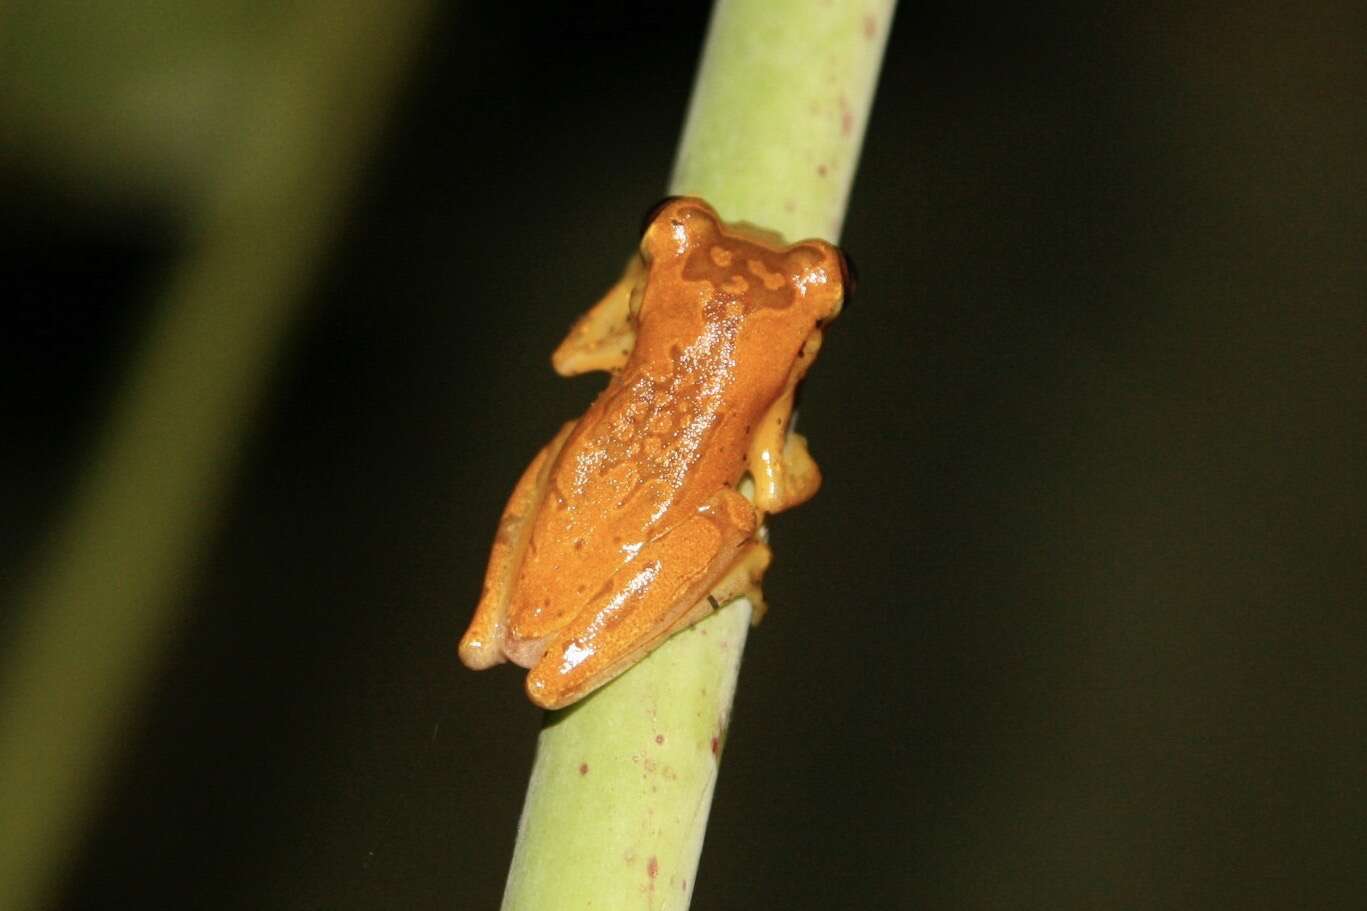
(659,738)
(821,170)
(716,746)
(652,867)
(870,27)
(583,768)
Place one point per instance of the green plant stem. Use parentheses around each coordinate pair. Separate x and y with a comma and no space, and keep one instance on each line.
(93,621)
(622,784)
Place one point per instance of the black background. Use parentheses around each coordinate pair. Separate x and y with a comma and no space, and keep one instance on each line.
(1076,620)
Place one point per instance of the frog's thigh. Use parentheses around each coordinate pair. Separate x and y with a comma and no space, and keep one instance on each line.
(482,644)
(661,590)
(603,337)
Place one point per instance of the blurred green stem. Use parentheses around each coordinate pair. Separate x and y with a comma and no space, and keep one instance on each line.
(94,619)
(622,784)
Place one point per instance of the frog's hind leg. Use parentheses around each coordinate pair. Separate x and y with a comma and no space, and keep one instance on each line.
(482,644)
(602,339)
(663,589)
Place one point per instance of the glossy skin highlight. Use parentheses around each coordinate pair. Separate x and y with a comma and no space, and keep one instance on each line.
(628,525)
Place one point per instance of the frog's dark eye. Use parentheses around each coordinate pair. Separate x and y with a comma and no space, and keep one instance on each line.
(849,277)
(654,211)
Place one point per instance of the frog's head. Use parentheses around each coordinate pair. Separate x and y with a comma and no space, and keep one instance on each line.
(810,274)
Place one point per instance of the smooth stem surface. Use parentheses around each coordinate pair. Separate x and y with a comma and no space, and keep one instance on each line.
(622,784)
(93,622)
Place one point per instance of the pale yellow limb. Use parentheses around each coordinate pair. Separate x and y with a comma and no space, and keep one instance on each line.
(603,337)
(784,472)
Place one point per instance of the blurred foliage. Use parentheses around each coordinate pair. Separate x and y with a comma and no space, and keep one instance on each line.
(255,131)
(136,99)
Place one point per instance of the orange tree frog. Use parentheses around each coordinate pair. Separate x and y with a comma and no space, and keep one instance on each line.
(629,525)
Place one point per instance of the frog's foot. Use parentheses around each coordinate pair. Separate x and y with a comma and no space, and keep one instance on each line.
(662,590)
(482,644)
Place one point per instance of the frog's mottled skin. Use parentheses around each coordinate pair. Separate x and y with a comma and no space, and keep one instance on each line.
(628,526)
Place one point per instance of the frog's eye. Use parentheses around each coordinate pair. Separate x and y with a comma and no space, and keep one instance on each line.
(849,277)
(653,211)
(676,225)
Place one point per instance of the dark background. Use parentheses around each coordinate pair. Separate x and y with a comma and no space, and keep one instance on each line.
(1076,620)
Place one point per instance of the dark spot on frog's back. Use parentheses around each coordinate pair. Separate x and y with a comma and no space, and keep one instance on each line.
(729,285)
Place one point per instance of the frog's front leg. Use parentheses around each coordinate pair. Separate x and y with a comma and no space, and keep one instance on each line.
(785,473)
(603,337)
(482,644)
(662,590)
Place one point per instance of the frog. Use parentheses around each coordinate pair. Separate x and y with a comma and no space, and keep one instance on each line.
(648,513)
